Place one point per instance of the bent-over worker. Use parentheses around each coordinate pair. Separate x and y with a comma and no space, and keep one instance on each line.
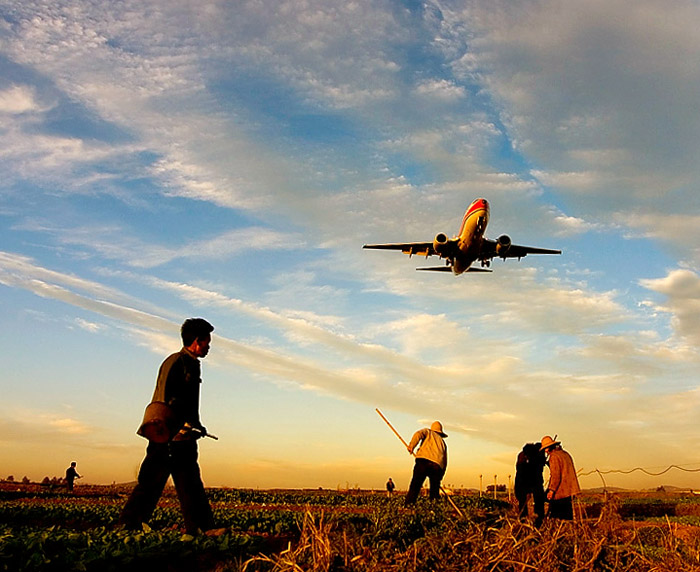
(563,482)
(528,480)
(431,461)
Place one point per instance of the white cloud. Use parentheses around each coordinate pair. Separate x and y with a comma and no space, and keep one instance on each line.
(682,291)
(678,232)
(18,99)
(576,79)
(115,243)
(569,225)
(442,89)
(88,326)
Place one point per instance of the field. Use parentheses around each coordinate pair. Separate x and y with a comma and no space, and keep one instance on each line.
(48,529)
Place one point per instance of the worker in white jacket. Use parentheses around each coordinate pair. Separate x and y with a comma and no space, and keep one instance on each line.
(431,461)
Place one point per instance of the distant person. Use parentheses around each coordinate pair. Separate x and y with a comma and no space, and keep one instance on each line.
(390,486)
(431,461)
(71,475)
(529,481)
(563,482)
(176,402)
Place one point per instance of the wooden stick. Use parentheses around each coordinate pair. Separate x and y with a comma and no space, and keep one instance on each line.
(392,428)
(444,492)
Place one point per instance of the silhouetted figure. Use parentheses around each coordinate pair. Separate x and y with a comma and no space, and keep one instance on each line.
(563,482)
(431,461)
(529,481)
(390,486)
(173,434)
(71,475)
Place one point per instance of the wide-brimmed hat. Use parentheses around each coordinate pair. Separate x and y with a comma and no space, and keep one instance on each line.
(437,427)
(547,442)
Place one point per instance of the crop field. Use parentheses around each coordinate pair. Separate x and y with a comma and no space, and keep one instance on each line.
(50,529)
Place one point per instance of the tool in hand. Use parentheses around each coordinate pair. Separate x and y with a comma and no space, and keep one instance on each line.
(454,506)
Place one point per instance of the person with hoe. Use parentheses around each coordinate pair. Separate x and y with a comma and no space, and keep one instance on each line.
(172,426)
(528,481)
(71,475)
(431,461)
(563,482)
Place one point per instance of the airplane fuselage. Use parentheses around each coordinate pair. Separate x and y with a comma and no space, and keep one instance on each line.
(470,236)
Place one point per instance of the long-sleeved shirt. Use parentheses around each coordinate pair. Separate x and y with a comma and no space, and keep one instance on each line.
(432,446)
(563,481)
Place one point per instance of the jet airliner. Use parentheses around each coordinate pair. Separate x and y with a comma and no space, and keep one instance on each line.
(468,246)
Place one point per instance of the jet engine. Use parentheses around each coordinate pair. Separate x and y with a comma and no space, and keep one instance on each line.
(503,245)
(441,244)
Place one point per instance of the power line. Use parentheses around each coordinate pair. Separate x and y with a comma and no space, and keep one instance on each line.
(643,470)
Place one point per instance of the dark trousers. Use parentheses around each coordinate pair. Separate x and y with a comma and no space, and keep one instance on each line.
(424,468)
(561,508)
(537,499)
(178,459)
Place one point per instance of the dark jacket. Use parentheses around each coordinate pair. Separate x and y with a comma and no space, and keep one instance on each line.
(528,469)
(179,379)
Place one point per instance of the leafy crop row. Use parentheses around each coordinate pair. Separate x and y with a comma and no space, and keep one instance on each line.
(54,548)
(326,531)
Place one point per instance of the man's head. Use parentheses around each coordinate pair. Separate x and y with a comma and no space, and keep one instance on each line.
(196,335)
(437,427)
(547,444)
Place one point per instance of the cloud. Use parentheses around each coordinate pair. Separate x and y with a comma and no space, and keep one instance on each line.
(677,231)
(35,426)
(21,272)
(115,243)
(18,99)
(441,89)
(681,289)
(91,327)
(67,425)
(574,82)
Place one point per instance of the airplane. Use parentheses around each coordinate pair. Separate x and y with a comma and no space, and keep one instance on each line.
(468,246)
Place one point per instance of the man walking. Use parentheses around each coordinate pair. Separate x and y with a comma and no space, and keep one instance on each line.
(431,461)
(172,449)
(563,482)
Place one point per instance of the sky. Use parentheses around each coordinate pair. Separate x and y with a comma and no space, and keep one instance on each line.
(167,159)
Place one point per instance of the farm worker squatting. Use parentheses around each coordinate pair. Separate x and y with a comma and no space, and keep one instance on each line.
(563,482)
(175,452)
(431,461)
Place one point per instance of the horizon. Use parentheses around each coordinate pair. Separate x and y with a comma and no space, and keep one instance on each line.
(663,488)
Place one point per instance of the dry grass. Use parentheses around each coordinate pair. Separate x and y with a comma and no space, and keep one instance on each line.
(586,545)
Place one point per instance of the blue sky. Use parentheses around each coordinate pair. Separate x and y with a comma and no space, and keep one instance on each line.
(162,160)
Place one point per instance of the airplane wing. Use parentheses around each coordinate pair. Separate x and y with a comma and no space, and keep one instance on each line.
(449,269)
(410,248)
(490,249)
